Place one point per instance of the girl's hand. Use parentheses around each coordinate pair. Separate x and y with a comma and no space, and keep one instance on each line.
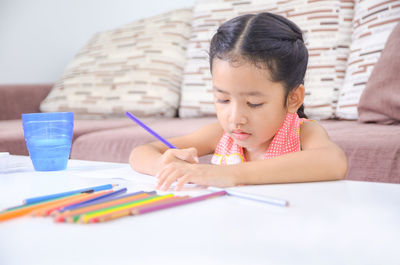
(188,155)
(212,175)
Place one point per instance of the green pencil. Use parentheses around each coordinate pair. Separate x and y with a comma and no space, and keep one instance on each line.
(87,216)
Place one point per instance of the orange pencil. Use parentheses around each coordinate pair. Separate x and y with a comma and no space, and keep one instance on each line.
(25,210)
(92,196)
(68,215)
(127,212)
(57,202)
(46,210)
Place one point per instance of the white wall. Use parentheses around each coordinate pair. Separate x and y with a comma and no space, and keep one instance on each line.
(39,37)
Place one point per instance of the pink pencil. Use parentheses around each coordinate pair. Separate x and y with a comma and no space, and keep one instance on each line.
(177,203)
(127,212)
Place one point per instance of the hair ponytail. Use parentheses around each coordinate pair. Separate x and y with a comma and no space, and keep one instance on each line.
(301,113)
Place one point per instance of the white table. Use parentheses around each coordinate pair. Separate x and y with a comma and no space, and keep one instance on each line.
(338,222)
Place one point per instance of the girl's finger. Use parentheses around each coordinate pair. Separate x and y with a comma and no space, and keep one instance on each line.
(172,177)
(162,175)
(181,181)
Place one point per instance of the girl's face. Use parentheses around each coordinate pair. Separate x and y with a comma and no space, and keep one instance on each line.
(250,107)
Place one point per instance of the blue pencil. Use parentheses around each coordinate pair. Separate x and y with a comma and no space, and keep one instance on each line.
(144,126)
(96,200)
(58,195)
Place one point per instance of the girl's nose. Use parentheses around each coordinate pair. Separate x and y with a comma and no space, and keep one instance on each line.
(237,115)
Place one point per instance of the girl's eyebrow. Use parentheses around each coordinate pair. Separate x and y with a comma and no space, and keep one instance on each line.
(249,93)
(220,90)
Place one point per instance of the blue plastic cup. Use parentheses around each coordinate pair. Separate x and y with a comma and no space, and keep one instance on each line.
(48,137)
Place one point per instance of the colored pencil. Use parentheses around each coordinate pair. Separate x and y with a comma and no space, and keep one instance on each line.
(178,203)
(127,212)
(39,202)
(58,195)
(94,200)
(73,215)
(249,196)
(46,210)
(86,217)
(6,215)
(124,198)
(144,126)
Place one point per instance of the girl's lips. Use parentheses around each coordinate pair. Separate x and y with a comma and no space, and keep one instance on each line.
(240,135)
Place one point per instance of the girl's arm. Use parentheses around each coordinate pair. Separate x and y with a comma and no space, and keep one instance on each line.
(151,158)
(319,160)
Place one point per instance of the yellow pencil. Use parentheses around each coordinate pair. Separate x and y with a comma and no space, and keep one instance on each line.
(130,211)
(86,217)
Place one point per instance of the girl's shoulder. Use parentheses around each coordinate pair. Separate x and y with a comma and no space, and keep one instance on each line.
(309,126)
(312,134)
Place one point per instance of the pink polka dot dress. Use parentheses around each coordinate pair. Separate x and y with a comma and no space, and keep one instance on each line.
(286,140)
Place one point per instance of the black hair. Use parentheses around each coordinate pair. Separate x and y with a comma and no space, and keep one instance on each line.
(266,40)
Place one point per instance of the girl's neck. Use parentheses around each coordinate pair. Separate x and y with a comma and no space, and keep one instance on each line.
(256,153)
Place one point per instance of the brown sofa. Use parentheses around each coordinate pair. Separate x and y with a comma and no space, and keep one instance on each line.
(373,150)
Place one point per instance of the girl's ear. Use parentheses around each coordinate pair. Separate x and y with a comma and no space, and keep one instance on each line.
(295,99)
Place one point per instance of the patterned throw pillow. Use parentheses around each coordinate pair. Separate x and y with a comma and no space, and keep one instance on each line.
(373,22)
(137,67)
(327,30)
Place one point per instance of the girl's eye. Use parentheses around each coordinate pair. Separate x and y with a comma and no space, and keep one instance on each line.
(222,100)
(251,105)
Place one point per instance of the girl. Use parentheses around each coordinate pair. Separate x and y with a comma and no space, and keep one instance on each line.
(258,63)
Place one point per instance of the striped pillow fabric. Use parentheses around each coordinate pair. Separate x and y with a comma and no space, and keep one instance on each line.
(372,24)
(137,67)
(327,29)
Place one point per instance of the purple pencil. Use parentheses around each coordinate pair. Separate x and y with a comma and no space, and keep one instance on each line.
(147,128)
(178,203)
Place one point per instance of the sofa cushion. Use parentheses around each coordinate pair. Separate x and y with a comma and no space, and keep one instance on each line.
(373,150)
(373,22)
(18,99)
(12,135)
(327,27)
(136,68)
(115,145)
(380,100)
